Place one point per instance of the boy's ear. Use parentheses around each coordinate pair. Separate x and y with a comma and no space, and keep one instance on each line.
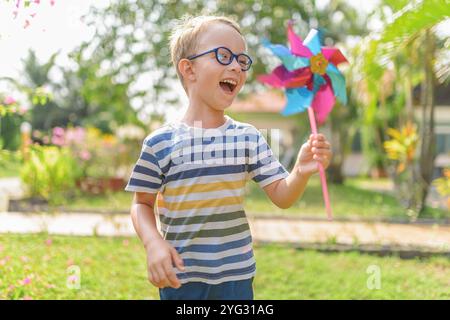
(186,69)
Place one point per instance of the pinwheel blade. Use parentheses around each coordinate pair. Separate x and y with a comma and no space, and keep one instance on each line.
(333,55)
(283,78)
(296,43)
(290,61)
(323,102)
(312,41)
(338,83)
(298,100)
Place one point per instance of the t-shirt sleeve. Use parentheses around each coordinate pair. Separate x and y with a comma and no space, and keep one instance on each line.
(147,175)
(264,168)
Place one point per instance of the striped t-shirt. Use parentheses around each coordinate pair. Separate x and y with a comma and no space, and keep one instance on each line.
(200,176)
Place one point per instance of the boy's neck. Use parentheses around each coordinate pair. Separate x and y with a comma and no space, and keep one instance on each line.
(208,117)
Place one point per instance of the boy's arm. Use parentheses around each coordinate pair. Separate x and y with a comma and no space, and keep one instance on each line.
(285,192)
(160,254)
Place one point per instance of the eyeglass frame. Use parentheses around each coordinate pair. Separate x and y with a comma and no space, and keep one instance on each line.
(233,56)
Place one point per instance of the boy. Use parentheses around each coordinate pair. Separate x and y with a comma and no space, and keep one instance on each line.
(193,172)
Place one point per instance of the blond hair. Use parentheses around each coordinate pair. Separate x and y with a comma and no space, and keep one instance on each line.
(185,35)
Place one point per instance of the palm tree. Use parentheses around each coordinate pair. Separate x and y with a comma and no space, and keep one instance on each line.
(413,26)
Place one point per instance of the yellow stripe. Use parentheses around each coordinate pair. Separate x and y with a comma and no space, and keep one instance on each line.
(204,187)
(219,202)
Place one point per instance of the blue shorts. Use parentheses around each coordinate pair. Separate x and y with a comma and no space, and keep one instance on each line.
(231,290)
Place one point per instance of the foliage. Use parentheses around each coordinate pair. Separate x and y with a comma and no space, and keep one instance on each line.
(443,184)
(403,145)
(50,172)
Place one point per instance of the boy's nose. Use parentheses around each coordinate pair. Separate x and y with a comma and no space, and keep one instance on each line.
(234,65)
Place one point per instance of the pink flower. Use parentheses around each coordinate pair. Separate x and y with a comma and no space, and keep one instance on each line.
(126,242)
(27,298)
(52,2)
(27,24)
(72,279)
(48,242)
(85,155)
(50,286)
(9,100)
(22,110)
(37,1)
(58,131)
(24,259)
(26,281)
(46,140)
(58,141)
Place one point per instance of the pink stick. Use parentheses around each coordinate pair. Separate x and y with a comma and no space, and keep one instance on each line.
(323,179)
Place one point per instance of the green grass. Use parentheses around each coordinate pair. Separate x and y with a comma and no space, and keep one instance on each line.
(10,164)
(347,201)
(114,268)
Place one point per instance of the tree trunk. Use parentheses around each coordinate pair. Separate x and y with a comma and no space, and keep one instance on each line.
(428,137)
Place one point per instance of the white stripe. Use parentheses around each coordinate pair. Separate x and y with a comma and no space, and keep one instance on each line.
(149,165)
(183,154)
(140,189)
(210,241)
(221,280)
(203,226)
(207,179)
(271,179)
(199,211)
(226,267)
(216,255)
(141,176)
(194,196)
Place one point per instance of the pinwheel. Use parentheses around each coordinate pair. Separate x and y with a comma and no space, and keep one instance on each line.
(311,80)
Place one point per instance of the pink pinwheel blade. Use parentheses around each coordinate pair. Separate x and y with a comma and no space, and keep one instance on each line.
(323,102)
(296,42)
(333,55)
(283,78)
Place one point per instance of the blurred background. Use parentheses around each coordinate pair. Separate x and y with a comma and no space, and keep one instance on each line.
(82,84)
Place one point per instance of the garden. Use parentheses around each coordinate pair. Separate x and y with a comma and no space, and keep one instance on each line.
(72,127)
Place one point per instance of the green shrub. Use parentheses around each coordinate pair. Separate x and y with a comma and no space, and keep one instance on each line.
(50,173)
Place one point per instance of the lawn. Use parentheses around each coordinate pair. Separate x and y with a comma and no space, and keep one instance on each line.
(348,201)
(39,267)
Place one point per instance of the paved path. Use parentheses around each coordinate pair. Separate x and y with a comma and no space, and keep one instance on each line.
(434,237)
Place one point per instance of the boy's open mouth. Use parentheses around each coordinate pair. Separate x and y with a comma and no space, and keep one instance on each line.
(228,85)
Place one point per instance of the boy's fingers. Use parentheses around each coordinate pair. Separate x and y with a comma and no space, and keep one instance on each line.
(177,260)
(173,280)
(151,278)
(162,277)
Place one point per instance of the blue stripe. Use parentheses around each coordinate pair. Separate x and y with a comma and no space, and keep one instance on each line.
(150,158)
(261,163)
(215,276)
(261,177)
(161,154)
(219,262)
(147,171)
(206,171)
(215,248)
(154,139)
(142,183)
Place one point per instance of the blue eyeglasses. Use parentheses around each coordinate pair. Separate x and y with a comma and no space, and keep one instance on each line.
(225,57)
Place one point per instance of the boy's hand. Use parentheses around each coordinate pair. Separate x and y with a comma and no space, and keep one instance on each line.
(161,257)
(316,149)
